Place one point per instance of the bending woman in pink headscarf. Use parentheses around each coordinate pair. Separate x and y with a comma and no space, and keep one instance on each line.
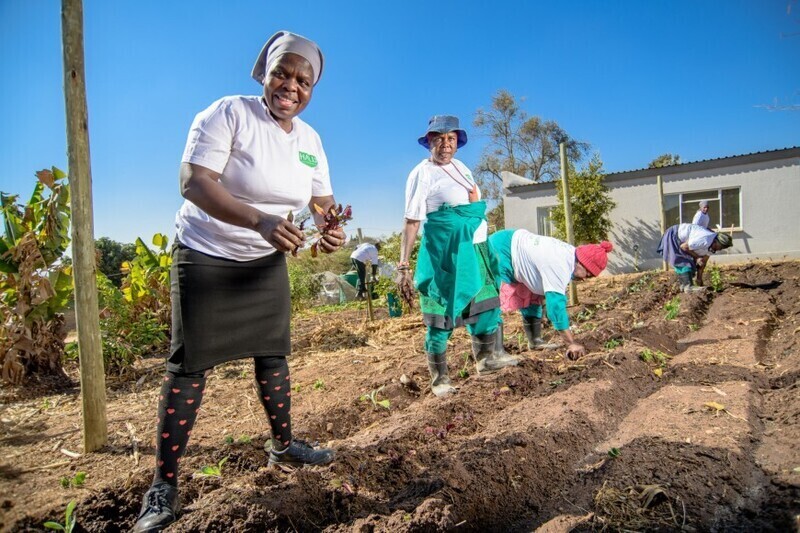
(536,269)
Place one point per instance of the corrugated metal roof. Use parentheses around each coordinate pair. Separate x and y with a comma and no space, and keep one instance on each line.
(703,164)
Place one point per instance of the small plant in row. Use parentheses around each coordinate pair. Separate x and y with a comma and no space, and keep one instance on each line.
(212,470)
(654,356)
(69,520)
(75,481)
(372,396)
(672,307)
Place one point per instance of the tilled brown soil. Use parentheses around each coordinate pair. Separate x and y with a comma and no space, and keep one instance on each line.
(703,436)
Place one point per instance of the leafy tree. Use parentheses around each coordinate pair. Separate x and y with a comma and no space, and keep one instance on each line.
(665,160)
(519,143)
(111,255)
(591,204)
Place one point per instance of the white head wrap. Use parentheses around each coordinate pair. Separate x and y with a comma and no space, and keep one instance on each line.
(285,42)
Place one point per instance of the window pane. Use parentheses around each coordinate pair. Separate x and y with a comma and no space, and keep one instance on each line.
(544,222)
(691,204)
(671,209)
(730,208)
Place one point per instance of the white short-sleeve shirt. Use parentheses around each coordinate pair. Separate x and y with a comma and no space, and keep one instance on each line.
(701,219)
(429,186)
(365,252)
(698,238)
(261,166)
(542,264)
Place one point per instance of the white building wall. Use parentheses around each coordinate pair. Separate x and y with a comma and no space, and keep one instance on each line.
(770,211)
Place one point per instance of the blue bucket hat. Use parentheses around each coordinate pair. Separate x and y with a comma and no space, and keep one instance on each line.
(443,124)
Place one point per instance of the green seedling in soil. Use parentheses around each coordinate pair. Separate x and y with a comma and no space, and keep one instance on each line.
(464,373)
(212,470)
(372,396)
(228,439)
(614,453)
(318,385)
(694,327)
(586,314)
(75,481)
(556,383)
(296,388)
(654,356)
(244,439)
(716,279)
(672,308)
(69,520)
(613,343)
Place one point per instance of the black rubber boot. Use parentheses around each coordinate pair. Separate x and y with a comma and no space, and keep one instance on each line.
(300,453)
(440,377)
(159,508)
(487,358)
(685,281)
(533,331)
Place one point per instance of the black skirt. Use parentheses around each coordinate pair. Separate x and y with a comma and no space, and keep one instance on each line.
(223,310)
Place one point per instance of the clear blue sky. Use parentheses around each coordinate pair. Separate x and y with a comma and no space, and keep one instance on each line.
(633,78)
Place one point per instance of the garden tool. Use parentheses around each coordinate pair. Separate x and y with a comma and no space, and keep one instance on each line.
(533,331)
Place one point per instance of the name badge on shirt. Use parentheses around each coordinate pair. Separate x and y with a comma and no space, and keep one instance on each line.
(308,159)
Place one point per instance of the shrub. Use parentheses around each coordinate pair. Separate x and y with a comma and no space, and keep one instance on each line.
(35,284)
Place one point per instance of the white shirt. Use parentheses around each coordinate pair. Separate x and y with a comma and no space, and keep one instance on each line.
(542,264)
(698,238)
(365,252)
(429,186)
(261,165)
(701,219)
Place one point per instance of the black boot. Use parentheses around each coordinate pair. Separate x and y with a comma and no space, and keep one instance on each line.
(300,453)
(685,281)
(487,358)
(440,377)
(533,331)
(159,508)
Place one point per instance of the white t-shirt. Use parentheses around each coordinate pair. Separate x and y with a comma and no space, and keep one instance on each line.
(698,238)
(429,186)
(261,165)
(701,219)
(365,252)
(542,264)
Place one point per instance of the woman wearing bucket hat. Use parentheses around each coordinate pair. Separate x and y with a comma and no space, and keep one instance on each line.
(455,272)
(687,247)
(534,268)
(249,161)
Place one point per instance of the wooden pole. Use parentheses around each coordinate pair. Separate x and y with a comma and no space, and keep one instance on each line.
(368,286)
(662,213)
(360,236)
(562,147)
(90,348)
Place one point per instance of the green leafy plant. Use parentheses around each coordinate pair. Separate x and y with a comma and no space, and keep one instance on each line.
(318,384)
(228,439)
(613,343)
(372,396)
(296,388)
(244,439)
(35,281)
(590,200)
(75,481)
(464,372)
(672,307)
(69,520)
(614,453)
(654,356)
(211,470)
(694,327)
(716,279)
(556,383)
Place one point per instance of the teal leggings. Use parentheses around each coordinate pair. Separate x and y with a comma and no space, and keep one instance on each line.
(436,339)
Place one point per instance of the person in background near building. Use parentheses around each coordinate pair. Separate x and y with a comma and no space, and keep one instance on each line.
(455,271)
(701,218)
(687,247)
(249,162)
(535,268)
(365,252)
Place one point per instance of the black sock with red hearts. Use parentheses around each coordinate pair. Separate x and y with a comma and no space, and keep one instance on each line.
(178,404)
(272,377)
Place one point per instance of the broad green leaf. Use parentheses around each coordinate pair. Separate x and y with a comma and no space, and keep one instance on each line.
(58,173)
(54,525)
(160,240)
(384,403)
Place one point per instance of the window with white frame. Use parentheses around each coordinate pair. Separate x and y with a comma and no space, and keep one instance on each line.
(544,221)
(724,207)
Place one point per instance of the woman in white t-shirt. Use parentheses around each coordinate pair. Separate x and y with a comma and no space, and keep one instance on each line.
(455,270)
(687,247)
(249,162)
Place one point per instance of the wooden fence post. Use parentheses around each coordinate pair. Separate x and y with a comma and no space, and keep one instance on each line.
(90,348)
(562,147)
(662,214)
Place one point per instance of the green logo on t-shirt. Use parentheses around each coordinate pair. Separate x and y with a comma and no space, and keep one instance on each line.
(308,159)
